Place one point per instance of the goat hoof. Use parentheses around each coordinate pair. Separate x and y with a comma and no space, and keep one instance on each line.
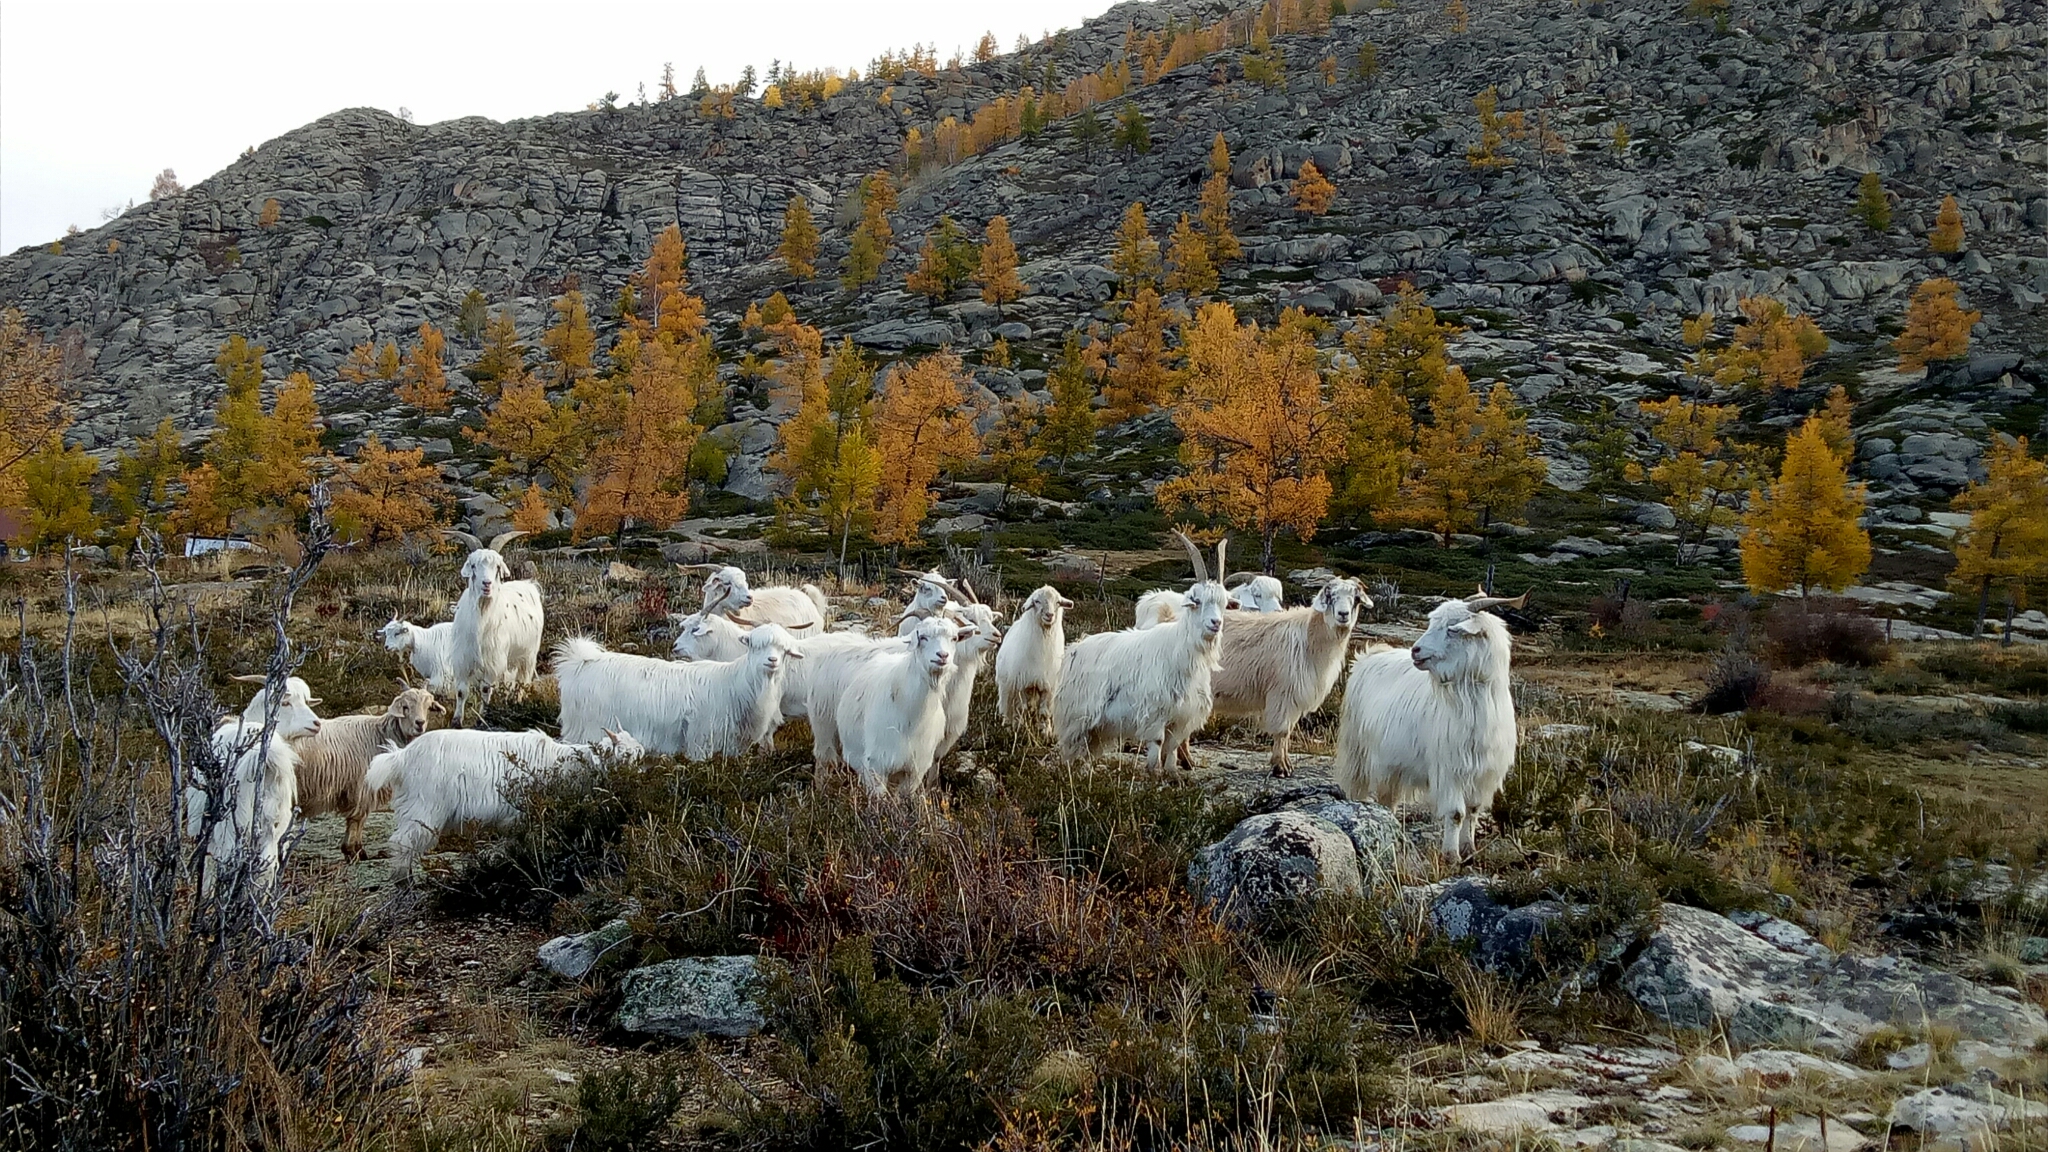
(1280,773)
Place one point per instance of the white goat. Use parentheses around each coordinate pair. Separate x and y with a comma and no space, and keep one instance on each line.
(885,713)
(333,761)
(697,710)
(262,786)
(929,597)
(707,636)
(1255,592)
(1028,663)
(801,610)
(430,650)
(1150,685)
(1280,666)
(498,622)
(455,776)
(1435,721)
(968,651)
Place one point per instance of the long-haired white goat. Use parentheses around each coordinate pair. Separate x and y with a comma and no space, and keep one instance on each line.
(498,622)
(969,651)
(882,711)
(1255,592)
(334,760)
(261,789)
(1280,666)
(429,650)
(456,776)
(930,593)
(801,610)
(697,710)
(1028,663)
(1436,720)
(1149,685)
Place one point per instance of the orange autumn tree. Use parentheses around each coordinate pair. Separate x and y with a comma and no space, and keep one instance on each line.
(422,382)
(1771,347)
(2006,543)
(385,495)
(570,342)
(32,410)
(826,447)
(1312,193)
(1471,463)
(997,274)
(922,426)
(799,248)
(1215,206)
(1190,268)
(1937,328)
(1947,237)
(1259,431)
(1141,376)
(1802,533)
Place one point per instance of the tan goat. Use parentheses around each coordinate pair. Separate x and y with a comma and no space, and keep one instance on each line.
(332,763)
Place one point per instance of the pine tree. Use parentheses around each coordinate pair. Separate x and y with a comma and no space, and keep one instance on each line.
(870,243)
(997,273)
(570,342)
(1408,351)
(1378,429)
(922,426)
(423,383)
(56,496)
(799,250)
(1507,472)
(1620,139)
(234,452)
(473,316)
(1872,207)
(1259,430)
(1133,133)
(1368,61)
(387,495)
(2006,543)
(1087,131)
(1190,269)
(1440,491)
(667,91)
(1070,426)
(1136,262)
(1937,328)
(503,356)
(1311,193)
(1803,533)
(291,445)
(1947,237)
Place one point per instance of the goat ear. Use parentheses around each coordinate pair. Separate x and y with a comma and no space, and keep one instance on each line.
(794,654)
(313,701)
(436,706)
(1470,627)
(1065,603)
(250,679)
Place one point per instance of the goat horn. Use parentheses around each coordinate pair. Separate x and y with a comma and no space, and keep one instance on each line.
(250,679)
(911,574)
(1194,557)
(1236,579)
(1481,603)
(965,589)
(1220,546)
(699,567)
(463,537)
(499,541)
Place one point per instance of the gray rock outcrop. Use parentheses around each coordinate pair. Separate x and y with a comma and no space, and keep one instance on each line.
(699,996)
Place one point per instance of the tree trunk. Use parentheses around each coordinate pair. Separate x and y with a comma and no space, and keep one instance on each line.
(2006,640)
(1265,554)
(1983,606)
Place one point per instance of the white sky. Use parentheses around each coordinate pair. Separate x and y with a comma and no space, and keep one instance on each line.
(96,98)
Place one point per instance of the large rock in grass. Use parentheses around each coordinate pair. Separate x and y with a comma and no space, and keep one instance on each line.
(572,957)
(700,996)
(1274,865)
(1505,941)
(1768,983)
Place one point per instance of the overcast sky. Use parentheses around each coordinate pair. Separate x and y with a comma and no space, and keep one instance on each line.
(96,98)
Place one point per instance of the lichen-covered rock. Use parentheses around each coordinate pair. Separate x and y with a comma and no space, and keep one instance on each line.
(1770,983)
(699,996)
(1504,941)
(572,957)
(1274,864)
(1373,830)
(1966,1113)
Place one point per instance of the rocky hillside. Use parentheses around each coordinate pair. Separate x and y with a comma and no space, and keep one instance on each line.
(1572,268)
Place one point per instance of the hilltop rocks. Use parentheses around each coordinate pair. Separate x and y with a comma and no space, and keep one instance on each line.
(1767,982)
(1277,863)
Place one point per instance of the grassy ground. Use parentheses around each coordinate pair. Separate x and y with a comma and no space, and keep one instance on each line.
(1020,964)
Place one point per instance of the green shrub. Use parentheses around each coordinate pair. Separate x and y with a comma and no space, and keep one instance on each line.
(622,1109)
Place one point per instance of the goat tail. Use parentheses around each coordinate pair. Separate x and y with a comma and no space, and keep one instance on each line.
(575,652)
(818,598)
(384,768)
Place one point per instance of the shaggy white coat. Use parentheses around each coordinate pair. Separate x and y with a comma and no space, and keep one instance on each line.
(1028,663)
(1436,721)
(883,712)
(497,628)
(263,784)
(696,710)
(456,776)
(1279,666)
(429,650)
(801,610)
(1145,685)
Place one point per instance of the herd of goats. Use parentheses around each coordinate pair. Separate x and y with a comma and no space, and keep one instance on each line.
(1432,722)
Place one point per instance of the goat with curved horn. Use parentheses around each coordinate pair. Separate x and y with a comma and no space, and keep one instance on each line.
(1481,602)
(1195,556)
(1236,578)
(499,541)
(467,540)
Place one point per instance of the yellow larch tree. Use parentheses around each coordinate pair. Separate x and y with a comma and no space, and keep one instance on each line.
(1136,262)
(1311,192)
(997,273)
(1947,237)
(533,436)
(1506,469)
(2006,543)
(290,454)
(1378,431)
(1439,489)
(1771,347)
(1259,430)
(869,246)
(1215,206)
(503,356)
(423,382)
(1836,423)
(639,476)
(32,409)
(534,514)
(383,494)
(56,496)
(1408,350)
(669,308)
(1802,534)
(1070,424)
(1013,451)
(1189,266)
(1937,328)
(139,491)
(1701,475)
(1141,377)
(922,426)
(269,216)
(570,342)
(799,248)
